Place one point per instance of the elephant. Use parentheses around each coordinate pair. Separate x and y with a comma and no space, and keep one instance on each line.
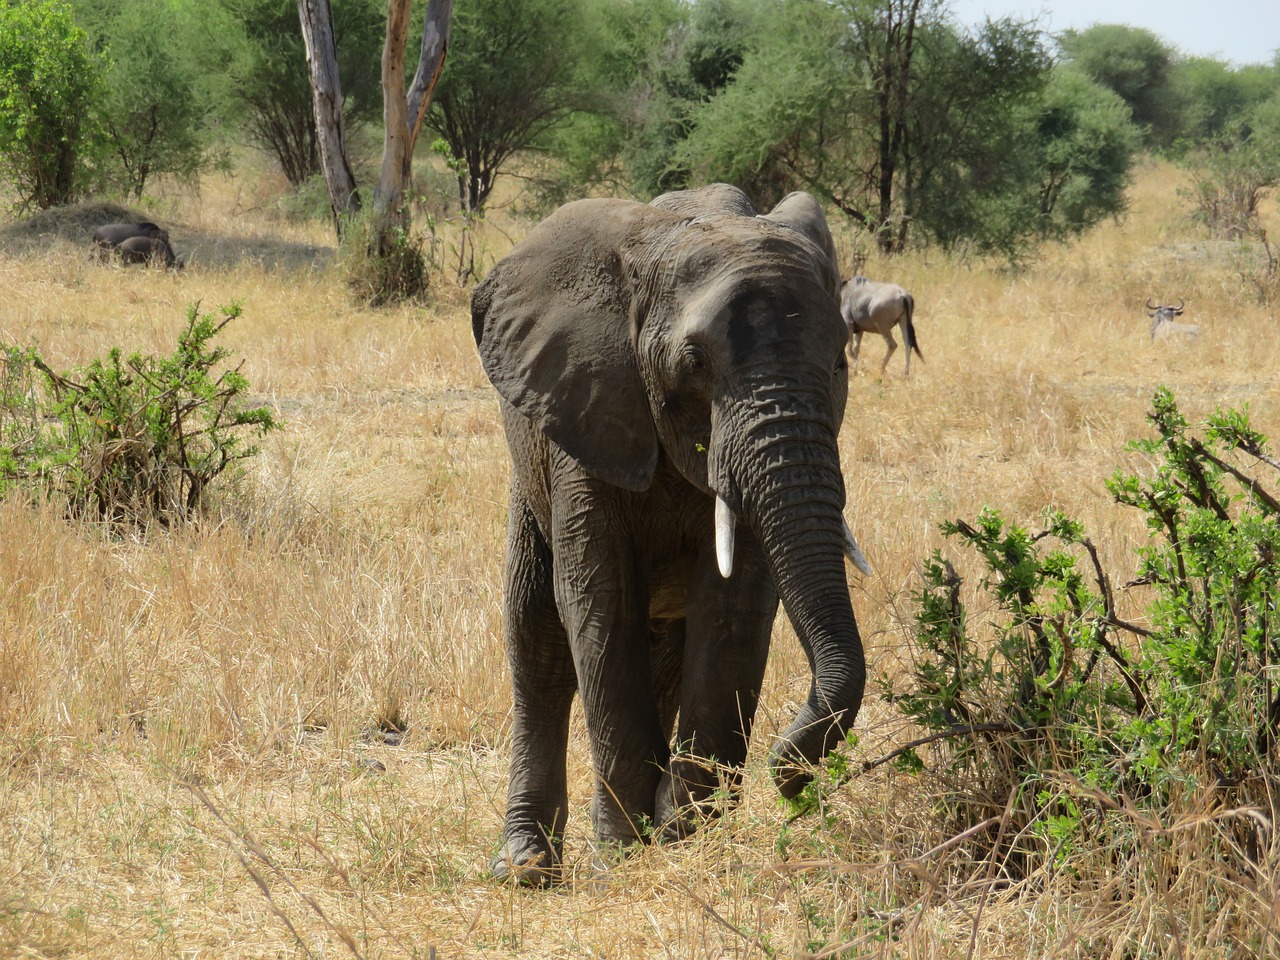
(149,250)
(671,379)
(109,236)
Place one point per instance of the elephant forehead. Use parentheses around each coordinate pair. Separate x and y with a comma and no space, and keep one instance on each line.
(775,318)
(764,305)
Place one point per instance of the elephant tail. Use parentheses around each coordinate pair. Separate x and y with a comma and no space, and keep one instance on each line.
(909,302)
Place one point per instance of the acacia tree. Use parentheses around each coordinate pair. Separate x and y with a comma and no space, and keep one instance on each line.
(885,34)
(867,103)
(255,58)
(49,84)
(316,18)
(154,117)
(1137,65)
(403,111)
(510,81)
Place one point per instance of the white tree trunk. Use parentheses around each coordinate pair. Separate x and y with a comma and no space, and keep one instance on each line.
(316,18)
(403,111)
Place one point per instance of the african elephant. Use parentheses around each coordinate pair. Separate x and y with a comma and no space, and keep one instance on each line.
(149,250)
(109,236)
(672,379)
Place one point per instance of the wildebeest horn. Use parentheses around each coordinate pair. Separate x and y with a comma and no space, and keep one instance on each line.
(1149,306)
(1178,308)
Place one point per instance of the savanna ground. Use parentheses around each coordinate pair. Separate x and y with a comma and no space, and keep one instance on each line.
(193,757)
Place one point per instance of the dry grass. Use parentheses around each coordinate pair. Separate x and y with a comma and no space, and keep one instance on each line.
(188,725)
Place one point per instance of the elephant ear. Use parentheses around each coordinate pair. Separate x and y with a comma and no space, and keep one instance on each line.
(552,323)
(802,213)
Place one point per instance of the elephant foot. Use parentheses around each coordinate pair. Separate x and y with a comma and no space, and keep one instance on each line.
(527,861)
(687,799)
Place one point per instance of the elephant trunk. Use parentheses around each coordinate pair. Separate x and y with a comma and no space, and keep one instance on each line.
(793,499)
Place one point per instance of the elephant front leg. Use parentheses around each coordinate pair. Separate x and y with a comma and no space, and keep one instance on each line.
(543,685)
(604,606)
(726,647)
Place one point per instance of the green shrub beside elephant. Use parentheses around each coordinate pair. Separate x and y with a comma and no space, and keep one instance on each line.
(672,380)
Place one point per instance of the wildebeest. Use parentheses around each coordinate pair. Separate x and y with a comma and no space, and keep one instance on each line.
(872,307)
(149,250)
(109,236)
(1163,324)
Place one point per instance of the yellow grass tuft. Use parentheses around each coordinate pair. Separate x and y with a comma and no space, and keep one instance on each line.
(192,726)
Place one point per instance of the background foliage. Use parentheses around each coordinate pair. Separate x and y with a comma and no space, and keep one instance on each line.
(50,84)
(916,128)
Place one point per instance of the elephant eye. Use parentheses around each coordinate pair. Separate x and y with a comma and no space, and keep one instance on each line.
(694,358)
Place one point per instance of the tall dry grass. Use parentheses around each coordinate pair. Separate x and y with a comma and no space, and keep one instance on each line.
(193,748)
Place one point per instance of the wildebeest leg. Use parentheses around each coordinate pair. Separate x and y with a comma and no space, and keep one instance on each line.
(855,344)
(893,345)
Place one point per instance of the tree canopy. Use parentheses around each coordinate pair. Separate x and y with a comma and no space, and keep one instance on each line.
(908,123)
(50,82)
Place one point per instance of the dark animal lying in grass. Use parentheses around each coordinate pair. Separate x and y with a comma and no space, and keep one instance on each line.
(109,236)
(149,250)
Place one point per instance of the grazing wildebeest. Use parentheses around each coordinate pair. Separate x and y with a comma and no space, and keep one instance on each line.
(1163,324)
(871,307)
(149,250)
(109,236)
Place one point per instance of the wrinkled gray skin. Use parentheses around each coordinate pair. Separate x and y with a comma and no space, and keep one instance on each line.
(650,358)
(109,236)
(869,306)
(149,250)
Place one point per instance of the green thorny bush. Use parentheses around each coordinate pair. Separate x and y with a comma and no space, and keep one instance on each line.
(128,440)
(1054,724)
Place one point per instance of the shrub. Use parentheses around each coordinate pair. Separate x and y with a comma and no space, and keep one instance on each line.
(129,440)
(383,264)
(1061,721)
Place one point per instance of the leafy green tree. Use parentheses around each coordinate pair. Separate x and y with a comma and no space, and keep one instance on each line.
(889,112)
(256,48)
(50,83)
(1213,95)
(593,146)
(1085,147)
(969,161)
(509,80)
(1235,170)
(696,58)
(1060,165)
(155,114)
(1137,65)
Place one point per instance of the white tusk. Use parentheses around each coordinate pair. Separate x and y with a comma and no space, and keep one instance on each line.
(725,523)
(853,552)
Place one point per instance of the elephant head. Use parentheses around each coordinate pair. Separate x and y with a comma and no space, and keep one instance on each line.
(687,330)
